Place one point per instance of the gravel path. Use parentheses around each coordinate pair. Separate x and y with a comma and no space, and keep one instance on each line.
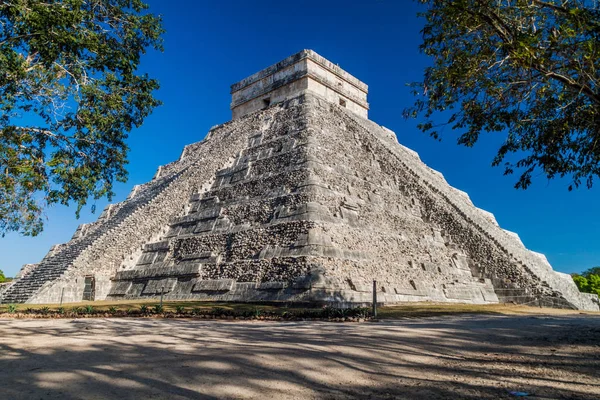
(467,357)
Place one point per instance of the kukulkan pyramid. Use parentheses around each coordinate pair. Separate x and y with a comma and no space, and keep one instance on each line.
(300,198)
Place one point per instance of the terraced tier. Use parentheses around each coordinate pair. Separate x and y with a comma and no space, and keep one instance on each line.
(54,265)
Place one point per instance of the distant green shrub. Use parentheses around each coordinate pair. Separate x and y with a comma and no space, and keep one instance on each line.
(180,309)
(159,309)
(218,311)
(588,281)
(12,308)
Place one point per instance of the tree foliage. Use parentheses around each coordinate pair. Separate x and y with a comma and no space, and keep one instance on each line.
(592,271)
(2,277)
(588,281)
(528,68)
(69,94)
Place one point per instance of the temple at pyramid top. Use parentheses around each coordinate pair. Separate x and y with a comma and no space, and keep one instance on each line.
(303,72)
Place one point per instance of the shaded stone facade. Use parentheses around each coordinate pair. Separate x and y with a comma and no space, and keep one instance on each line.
(304,201)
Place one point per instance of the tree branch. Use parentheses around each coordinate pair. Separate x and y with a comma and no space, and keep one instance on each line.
(506,36)
(551,5)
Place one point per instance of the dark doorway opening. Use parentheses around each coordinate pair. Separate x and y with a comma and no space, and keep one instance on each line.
(89,290)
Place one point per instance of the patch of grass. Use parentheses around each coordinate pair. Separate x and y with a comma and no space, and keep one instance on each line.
(418,310)
(159,309)
(282,311)
(12,308)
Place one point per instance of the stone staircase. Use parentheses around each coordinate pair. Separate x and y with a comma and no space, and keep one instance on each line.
(55,265)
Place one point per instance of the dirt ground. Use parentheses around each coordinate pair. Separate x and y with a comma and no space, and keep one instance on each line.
(448,357)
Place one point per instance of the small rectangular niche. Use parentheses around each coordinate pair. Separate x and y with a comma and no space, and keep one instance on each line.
(342,102)
(266,102)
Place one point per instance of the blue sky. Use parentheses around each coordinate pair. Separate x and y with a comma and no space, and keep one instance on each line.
(212,44)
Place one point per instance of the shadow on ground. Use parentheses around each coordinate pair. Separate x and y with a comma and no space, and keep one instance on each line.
(468,357)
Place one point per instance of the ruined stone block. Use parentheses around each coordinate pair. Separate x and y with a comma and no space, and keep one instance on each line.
(158,286)
(214,285)
(271,286)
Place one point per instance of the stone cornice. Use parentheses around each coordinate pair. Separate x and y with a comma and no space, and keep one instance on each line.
(293,78)
(294,59)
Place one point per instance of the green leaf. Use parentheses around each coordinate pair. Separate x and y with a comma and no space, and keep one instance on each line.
(528,70)
(86,55)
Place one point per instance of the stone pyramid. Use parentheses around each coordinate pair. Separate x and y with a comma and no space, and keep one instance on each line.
(300,198)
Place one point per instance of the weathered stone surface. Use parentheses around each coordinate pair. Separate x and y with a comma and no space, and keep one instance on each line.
(159,286)
(214,285)
(302,201)
(301,73)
